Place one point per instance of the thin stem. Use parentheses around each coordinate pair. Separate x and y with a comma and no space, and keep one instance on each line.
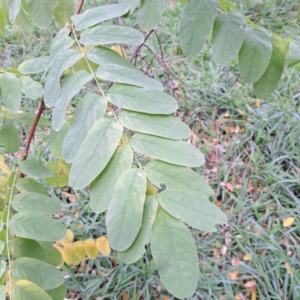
(7,219)
(137,51)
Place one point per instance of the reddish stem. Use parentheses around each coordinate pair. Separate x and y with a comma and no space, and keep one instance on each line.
(42,106)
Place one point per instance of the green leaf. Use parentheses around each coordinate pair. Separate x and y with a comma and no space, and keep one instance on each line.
(70,87)
(141,99)
(36,202)
(42,274)
(115,73)
(14,7)
(111,34)
(88,111)
(195,210)
(9,137)
(52,87)
(63,10)
(2,292)
(95,152)
(137,249)
(174,152)
(98,14)
(60,43)
(3,17)
(125,212)
(40,11)
(37,226)
(59,293)
(293,55)
(160,125)
(103,186)
(228,36)
(10,91)
(23,21)
(20,247)
(103,55)
(34,65)
(56,140)
(61,171)
(175,255)
(255,54)
(196,23)
(175,177)
(2,245)
(28,118)
(26,290)
(132,4)
(29,185)
(150,13)
(32,89)
(34,168)
(265,86)
(2,267)
(53,256)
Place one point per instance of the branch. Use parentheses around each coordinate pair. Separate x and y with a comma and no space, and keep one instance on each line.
(137,51)
(42,106)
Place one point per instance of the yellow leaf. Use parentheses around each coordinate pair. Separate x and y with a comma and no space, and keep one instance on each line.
(70,235)
(103,246)
(4,168)
(79,250)
(233,275)
(69,256)
(247,257)
(151,189)
(288,222)
(288,268)
(64,242)
(257,103)
(91,249)
(119,50)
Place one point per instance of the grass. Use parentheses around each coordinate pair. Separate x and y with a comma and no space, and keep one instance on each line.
(252,163)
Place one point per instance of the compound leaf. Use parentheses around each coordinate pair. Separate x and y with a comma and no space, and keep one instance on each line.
(175,255)
(34,168)
(36,226)
(42,274)
(103,186)
(228,36)
(40,11)
(174,152)
(264,87)
(120,74)
(150,13)
(160,125)
(70,87)
(10,93)
(111,34)
(98,14)
(196,23)
(142,99)
(125,212)
(195,210)
(137,249)
(176,177)
(88,111)
(36,202)
(255,54)
(95,152)
(26,290)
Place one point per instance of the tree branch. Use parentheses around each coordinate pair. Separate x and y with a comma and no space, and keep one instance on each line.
(42,106)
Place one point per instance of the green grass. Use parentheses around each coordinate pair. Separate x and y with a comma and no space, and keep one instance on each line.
(253,148)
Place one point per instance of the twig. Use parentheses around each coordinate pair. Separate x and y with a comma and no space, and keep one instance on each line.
(137,51)
(42,106)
